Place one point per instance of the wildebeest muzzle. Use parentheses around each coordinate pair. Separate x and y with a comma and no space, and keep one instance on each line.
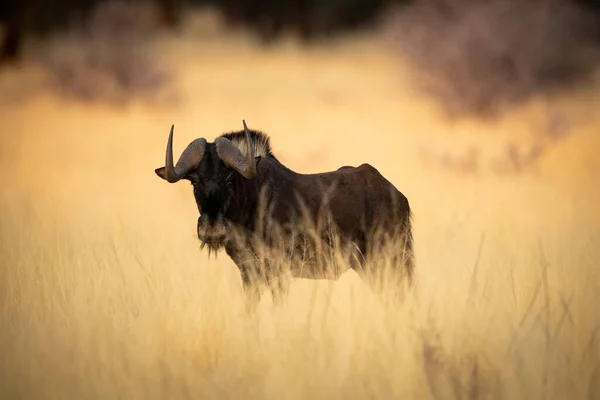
(212,231)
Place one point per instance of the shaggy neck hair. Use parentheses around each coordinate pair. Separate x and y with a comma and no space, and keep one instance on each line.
(260,140)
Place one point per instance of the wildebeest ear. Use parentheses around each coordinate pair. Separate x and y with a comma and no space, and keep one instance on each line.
(161,172)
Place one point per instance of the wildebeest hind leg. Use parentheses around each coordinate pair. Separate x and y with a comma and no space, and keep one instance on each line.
(389,277)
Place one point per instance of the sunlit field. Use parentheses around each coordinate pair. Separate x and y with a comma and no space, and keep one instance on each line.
(105,292)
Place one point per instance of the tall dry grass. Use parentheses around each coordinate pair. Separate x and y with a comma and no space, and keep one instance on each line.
(104,292)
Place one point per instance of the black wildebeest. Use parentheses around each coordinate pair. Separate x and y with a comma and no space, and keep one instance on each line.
(251,204)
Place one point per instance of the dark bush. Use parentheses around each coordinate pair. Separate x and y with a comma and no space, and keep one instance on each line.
(478,56)
(26,18)
(38,18)
(310,19)
(110,57)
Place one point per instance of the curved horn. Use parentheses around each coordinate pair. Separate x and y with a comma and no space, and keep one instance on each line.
(251,155)
(190,158)
(233,157)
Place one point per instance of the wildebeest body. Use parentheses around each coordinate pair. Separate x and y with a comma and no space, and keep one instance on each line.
(265,215)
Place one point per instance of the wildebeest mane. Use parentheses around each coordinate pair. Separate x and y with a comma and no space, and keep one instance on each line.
(261,141)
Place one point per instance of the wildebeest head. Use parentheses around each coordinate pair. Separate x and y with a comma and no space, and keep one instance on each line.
(215,171)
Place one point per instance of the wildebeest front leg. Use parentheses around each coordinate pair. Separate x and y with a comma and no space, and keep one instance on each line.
(249,273)
(280,286)
(251,290)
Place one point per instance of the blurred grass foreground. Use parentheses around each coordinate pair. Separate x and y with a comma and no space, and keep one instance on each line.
(104,292)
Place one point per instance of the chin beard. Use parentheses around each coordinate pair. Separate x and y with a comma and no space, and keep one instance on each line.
(213,247)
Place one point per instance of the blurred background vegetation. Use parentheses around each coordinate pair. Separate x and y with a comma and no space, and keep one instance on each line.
(471,59)
(470,56)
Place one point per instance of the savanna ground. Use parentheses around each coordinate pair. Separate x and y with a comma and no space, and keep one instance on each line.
(105,293)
